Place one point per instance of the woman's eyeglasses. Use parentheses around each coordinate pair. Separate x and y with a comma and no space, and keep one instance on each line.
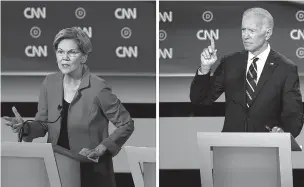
(70,53)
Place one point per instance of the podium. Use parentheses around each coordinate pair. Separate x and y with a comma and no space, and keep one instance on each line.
(246,159)
(142,163)
(39,165)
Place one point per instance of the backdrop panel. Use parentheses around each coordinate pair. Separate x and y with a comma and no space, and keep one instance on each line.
(186,28)
(122,35)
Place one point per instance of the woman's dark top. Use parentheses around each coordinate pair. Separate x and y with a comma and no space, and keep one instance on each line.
(63,140)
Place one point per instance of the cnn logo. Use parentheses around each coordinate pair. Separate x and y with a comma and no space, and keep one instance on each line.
(31,13)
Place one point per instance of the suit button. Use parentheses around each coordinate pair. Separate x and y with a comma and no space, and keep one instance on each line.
(248,118)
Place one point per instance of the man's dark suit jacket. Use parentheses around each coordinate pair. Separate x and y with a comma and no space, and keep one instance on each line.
(277,100)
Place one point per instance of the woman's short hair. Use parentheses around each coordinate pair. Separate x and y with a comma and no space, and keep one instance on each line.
(82,39)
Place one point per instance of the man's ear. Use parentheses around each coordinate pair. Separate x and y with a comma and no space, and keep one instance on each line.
(268,33)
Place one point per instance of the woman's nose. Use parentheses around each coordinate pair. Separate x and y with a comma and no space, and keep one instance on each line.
(65,56)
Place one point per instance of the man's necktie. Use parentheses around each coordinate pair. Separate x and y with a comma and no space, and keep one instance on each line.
(251,82)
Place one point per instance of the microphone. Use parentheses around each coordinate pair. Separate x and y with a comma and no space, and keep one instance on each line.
(21,132)
(59,107)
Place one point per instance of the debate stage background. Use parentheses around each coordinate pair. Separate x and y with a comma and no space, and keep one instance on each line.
(185,33)
(110,25)
(123,39)
(178,121)
(186,28)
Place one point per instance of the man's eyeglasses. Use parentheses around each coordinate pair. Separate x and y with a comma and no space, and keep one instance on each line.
(70,53)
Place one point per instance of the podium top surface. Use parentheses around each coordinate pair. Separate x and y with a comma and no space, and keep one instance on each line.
(30,149)
(144,154)
(71,154)
(248,139)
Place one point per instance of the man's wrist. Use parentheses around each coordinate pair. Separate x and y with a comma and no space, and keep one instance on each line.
(203,70)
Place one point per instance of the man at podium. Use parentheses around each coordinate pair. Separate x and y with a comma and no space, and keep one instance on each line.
(261,86)
(85,104)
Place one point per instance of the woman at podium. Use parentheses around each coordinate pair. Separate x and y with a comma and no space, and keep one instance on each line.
(75,108)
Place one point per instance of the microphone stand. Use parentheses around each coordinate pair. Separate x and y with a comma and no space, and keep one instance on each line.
(21,133)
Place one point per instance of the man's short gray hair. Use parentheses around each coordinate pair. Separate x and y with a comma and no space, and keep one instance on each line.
(266,17)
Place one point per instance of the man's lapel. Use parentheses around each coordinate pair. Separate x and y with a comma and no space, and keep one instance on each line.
(58,94)
(268,69)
